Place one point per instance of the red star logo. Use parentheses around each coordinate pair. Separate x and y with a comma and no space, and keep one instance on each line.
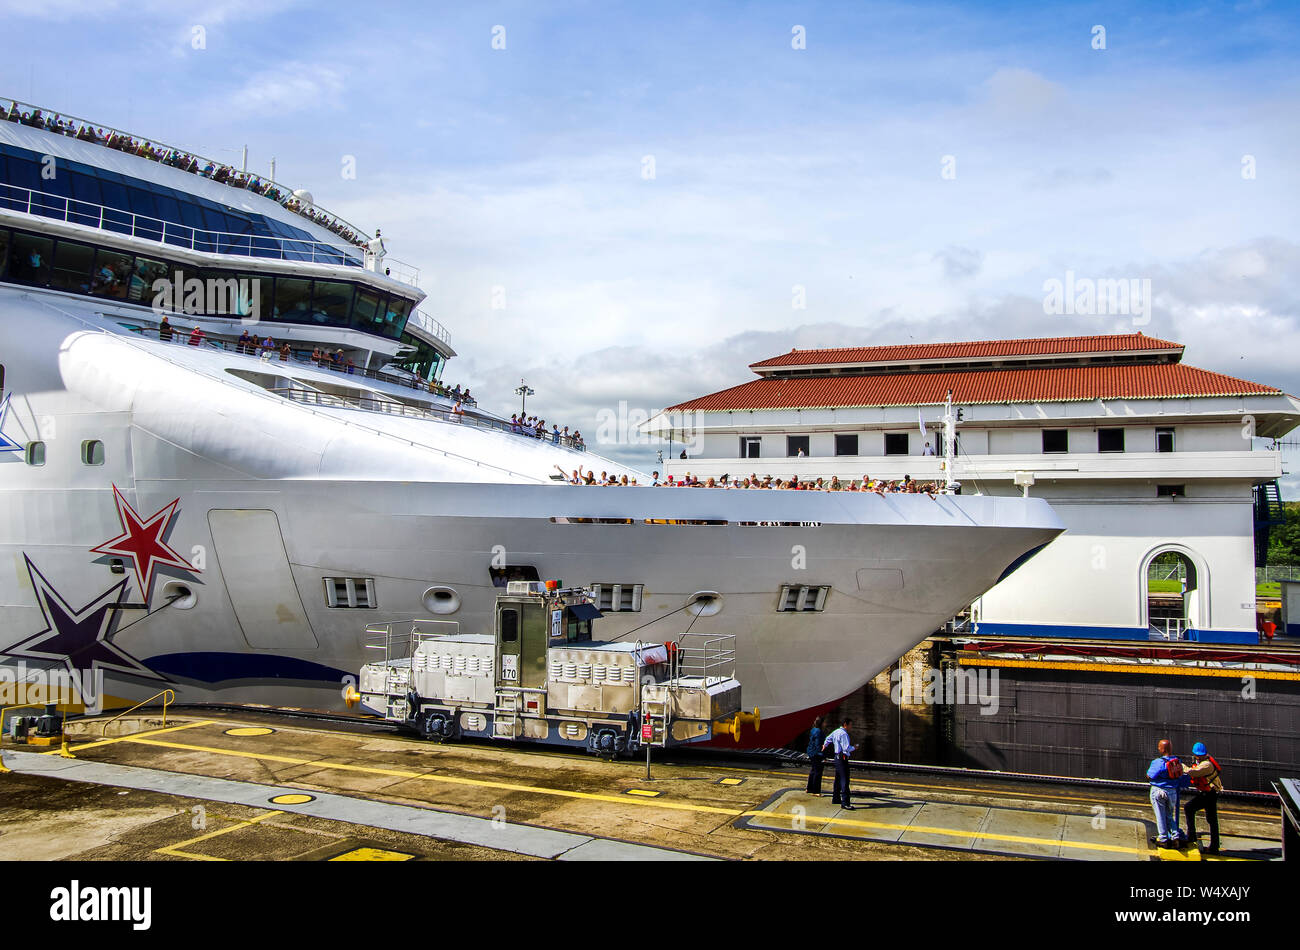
(142,541)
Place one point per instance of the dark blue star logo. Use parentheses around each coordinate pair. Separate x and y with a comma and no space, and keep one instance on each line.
(7,444)
(80,639)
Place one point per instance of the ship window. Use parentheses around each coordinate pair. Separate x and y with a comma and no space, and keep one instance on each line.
(1110,440)
(1164,440)
(112,274)
(255,295)
(796,445)
(356,592)
(292,300)
(395,313)
(331,301)
(750,446)
(846,445)
(4,249)
(617,598)
(31,259)
(35,454)
(92,452)
(147,272)
(895,443)
(363,311)
(513,572)
(802,598)
(1055,440)
(72,267)
(509,625)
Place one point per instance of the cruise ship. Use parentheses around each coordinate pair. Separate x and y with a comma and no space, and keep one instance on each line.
(189,505)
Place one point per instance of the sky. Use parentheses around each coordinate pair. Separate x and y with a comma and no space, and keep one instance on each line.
(629,203)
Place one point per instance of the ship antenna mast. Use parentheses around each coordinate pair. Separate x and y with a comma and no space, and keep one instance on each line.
(949,443)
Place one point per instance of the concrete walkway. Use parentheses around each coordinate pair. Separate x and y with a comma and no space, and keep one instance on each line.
(484,832)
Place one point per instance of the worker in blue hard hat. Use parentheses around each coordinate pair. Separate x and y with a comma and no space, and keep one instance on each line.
(1207,782)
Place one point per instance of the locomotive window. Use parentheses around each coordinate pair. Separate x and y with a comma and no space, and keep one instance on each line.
(513,572)
(509,626)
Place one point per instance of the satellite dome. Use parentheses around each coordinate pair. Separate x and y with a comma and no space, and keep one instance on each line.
(304,196)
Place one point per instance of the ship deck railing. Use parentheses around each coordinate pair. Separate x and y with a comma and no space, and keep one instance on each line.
(49,120)
(47,204)
(180,336)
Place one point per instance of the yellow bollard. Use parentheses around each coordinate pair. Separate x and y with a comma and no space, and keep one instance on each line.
(351,697)
(63,750)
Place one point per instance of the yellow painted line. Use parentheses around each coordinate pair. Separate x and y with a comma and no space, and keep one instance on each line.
(430,777)
(1131,668)
(174,849)
(136,735)
(372,854)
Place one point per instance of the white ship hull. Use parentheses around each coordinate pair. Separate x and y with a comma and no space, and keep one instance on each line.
(272,496)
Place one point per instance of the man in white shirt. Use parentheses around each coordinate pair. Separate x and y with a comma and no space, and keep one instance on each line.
(837,743)
(928,450)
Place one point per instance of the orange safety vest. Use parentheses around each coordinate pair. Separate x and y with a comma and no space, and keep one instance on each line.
(1202,784)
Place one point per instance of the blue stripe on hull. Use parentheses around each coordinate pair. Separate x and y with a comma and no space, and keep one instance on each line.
(1071,632)
(220,667)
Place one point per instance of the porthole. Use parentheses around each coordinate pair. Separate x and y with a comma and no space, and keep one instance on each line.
(35,454)
(184,594)
(92,452)
(441,600)
(704,603)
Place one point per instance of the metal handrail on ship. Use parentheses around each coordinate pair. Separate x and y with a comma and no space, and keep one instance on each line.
(47,204)
(8,108)
(710,657)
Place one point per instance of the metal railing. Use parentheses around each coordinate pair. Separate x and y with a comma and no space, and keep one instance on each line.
(711,657)
(180,336)
(1270,573)
(168,697)
(1169,628)
(47,120)
(429,325)
(399,639)
(370,403)
(46,204)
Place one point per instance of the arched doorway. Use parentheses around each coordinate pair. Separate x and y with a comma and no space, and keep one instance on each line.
(1171,594)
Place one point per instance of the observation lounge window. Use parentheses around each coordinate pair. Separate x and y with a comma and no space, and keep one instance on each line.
(395,314)
(31,259)
(293,300)
(331,301)
(112,274)
(72,266)
(255,295)
(147,272)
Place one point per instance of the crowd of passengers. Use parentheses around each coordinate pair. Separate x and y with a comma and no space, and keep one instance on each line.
(536,428)
(880,486)
(224,174)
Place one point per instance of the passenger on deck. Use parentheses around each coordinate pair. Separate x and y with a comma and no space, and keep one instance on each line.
(196,336)
(165,331)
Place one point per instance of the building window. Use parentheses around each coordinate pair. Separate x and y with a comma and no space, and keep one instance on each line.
(35,454)
(749,446)
(1171,491)
(802,598)
(895,443)
(1164,440)
(796,445)
(350,592)
(1110,440)
(1054,440)
(92,452)
(846,445)
(617,598)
